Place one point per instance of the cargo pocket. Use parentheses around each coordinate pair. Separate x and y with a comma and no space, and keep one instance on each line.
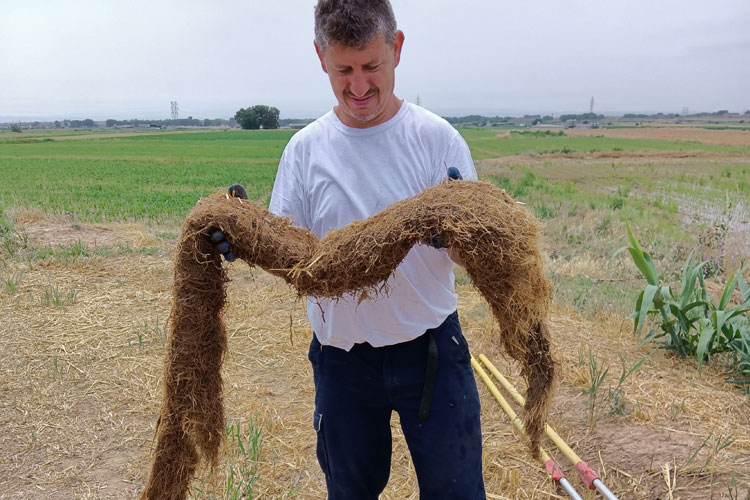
(321,450)
(313,354)
(463,347)
(457,342)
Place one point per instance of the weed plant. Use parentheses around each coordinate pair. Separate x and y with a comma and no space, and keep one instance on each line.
(615,395)
(54,295)
(65,254)
(11,281)
(159,331)
(712,242)
(12,238)
(148,333)
(714,445)
(733,488)
(55,370)
(597,374)
(689,323)
(245,445)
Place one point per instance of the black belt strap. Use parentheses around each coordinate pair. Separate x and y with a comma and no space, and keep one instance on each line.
(430,376)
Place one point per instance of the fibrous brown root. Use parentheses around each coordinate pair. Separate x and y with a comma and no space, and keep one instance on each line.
(496,238)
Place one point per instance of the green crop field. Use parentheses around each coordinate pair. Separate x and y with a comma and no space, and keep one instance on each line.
(676,195)
(145,177)
(156,175)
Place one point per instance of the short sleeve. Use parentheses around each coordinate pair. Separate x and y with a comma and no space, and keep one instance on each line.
(287,196)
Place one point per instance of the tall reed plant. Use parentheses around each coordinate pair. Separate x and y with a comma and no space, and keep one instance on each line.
(687,320)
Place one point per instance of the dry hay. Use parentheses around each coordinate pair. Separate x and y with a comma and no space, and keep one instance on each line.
(495,237)
(706,136)
(57,233)
(93,418)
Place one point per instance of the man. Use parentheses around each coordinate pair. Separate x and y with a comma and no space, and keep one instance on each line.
(403,352)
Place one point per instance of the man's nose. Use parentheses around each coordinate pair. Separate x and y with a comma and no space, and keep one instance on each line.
(358,85)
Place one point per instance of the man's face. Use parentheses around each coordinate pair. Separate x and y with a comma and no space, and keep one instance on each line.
(362,80)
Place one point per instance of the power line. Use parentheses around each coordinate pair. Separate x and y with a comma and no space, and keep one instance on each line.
(175,109)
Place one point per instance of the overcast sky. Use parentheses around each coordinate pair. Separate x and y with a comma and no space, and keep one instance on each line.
(128,59)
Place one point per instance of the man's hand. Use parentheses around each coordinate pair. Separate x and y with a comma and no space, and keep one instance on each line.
(238,191)
(216,236)
(453,174)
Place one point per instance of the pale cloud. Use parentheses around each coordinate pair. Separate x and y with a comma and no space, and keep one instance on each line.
(101,59)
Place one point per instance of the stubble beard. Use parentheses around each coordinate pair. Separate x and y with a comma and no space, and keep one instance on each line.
(365,118)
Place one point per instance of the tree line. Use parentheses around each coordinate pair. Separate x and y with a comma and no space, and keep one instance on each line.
(180,122)
(716,114)
(267,117)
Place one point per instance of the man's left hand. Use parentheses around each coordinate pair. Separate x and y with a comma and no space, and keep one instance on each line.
(453,174)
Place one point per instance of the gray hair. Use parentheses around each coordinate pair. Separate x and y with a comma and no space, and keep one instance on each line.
(353,23)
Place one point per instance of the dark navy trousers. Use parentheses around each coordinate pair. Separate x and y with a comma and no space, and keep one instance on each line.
(355,393)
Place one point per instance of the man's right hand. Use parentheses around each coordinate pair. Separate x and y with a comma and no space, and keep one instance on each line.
(217,237)
(221,245)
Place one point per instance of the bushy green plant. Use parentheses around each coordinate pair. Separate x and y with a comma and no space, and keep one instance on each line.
(741,359)
(688,320)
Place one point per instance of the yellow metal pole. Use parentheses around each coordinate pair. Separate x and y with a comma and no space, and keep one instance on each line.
(553,471)
(554,436)
(589,477)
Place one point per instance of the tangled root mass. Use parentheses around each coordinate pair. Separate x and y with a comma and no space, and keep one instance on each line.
(495,237)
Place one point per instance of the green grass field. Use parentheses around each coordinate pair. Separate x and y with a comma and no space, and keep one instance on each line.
(675,204)
(147,177)
(151,176)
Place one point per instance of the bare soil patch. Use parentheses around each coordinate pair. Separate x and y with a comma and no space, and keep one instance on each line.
(706,136)
(80,390)
(93,236)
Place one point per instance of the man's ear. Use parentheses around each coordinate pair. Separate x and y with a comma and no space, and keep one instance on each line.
(398,43)
(321,57)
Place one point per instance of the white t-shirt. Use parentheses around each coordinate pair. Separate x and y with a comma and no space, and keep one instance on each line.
(331,174)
